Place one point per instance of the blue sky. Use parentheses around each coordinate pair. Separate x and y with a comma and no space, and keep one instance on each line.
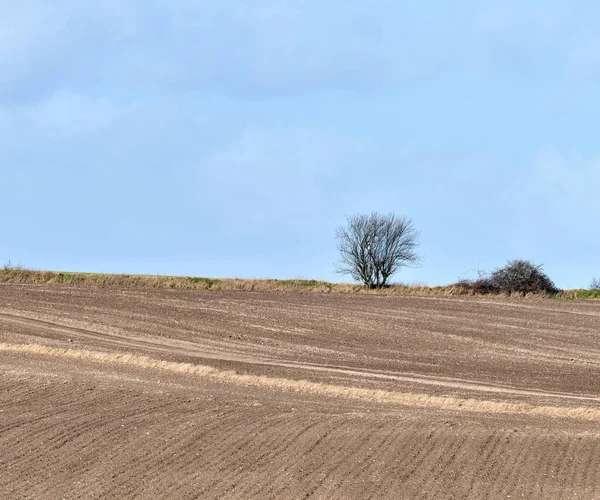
(232,138)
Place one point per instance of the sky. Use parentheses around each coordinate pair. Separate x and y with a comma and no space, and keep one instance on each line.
(232,138)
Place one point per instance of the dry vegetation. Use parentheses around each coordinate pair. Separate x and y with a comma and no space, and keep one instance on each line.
(120,392)
(304,386)
(17,274)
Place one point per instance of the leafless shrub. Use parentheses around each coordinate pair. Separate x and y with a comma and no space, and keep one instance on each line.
(517,277)
(522,276)
(595,284)
(9,266)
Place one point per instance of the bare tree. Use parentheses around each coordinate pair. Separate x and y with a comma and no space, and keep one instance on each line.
(595,284)
(374,247)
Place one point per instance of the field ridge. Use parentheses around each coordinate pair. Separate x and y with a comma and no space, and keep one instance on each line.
(139,281)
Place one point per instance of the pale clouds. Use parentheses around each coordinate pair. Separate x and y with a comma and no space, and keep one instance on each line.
(281,47)
(567,179)
(280,171)
(554,212)
(68,114)
(534,37)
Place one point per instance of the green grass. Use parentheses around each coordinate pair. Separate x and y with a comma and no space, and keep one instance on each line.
(207,282)
(581,294)
(299,283)
(304,284)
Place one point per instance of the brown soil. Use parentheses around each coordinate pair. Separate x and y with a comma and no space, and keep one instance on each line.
(120,393)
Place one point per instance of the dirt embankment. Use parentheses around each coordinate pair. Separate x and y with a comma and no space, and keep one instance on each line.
(20,275)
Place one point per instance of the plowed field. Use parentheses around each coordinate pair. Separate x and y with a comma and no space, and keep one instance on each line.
(110,393)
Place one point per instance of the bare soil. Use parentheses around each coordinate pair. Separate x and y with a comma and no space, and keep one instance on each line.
(121,393)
